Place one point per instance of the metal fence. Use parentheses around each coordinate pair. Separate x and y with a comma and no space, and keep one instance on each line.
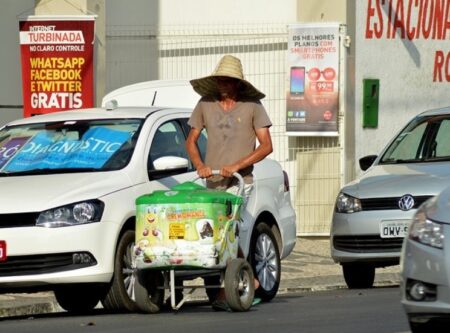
(144,53)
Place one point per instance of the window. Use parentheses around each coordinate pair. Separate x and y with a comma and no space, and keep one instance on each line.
(202,140)
(441,144)
(408,144)
(68,146)
(422,140)
(169,140)
(201,143)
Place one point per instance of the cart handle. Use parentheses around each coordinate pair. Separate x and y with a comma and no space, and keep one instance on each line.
(235,174)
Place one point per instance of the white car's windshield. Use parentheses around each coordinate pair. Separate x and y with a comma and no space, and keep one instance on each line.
(68,146)
(424,139)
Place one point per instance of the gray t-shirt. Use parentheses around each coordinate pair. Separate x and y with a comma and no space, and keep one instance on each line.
(231,134)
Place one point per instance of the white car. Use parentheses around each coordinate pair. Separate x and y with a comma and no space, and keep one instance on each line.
(68,184)
(425,267)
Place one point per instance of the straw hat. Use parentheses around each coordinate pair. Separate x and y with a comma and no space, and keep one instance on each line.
(228,66)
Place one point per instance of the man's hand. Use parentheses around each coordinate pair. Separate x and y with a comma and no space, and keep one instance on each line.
(204,171)
(228,170)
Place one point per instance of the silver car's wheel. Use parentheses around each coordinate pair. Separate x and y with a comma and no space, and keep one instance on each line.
(120,296)
(265,260)
(358,275)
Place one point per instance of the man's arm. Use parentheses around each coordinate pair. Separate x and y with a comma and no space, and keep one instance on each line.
(264,149)
(191,146)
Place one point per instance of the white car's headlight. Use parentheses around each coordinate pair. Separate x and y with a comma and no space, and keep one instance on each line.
(347,204)
(424,231)
(73,214)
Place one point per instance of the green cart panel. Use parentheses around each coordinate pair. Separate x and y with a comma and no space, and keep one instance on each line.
(186,227)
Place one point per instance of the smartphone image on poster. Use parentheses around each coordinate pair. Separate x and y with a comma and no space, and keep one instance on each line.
(297,81)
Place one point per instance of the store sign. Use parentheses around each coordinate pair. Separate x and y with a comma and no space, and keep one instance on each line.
(413,22)
(57,63)
(312,101)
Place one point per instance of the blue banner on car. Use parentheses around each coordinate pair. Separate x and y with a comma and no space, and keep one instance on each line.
(44,152)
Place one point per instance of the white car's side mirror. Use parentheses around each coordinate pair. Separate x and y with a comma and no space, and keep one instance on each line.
(170,162)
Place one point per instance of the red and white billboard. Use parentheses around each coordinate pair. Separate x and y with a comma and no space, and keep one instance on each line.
(57,63)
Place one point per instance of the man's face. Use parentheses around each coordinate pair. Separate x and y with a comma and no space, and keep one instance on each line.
(227,86)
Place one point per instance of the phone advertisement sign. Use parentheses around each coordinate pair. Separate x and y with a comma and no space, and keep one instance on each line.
(57,63)
(312,101)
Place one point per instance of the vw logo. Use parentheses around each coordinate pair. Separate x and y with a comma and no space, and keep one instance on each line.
(406,202)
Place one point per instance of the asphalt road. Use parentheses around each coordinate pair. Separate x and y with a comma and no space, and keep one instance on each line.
(375,310)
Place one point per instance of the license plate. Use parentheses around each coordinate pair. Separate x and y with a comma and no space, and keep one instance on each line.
(2,251)
(393,229)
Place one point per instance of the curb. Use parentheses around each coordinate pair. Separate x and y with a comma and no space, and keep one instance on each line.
(290,290)
(29,310)
(19,305)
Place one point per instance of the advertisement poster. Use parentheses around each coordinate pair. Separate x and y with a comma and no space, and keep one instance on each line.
(57,63)
(312,99)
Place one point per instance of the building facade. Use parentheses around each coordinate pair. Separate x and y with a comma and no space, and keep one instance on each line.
(391,43)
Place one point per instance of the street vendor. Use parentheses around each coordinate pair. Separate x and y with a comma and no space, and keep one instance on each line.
(231,112)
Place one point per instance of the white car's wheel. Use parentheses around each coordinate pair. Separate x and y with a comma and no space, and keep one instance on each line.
(80,298)
(120,296)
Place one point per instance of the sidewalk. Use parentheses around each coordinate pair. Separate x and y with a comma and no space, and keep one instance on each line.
(308,268)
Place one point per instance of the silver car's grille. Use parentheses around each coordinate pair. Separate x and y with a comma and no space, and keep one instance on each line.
(389,203)
(367,244)
(18,220)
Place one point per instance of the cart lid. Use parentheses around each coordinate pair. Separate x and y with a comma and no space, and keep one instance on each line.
(188,192)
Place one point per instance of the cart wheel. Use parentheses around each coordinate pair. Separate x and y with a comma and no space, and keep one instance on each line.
(239,285)
(149,298)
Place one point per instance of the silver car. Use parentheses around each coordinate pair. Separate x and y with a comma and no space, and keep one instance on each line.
(425,267)
(372,213)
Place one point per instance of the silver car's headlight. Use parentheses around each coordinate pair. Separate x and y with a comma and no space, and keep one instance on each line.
(424,231)
(347,204)
(73,214)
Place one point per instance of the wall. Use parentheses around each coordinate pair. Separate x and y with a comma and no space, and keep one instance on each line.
(322,11)
(131,42)
(350,167)
(243,12)
(10,68)
(404,66)
(320,162)
(134,40)
(82,7)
